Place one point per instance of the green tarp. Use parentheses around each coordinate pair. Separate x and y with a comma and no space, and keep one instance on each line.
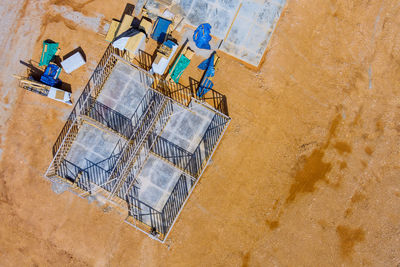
(179,67)
(48,52)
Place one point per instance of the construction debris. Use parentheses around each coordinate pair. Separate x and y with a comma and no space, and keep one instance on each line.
(164,56)
(49,79)
(45,90)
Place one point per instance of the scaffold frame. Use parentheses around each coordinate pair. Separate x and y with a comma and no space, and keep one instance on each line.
(140,137)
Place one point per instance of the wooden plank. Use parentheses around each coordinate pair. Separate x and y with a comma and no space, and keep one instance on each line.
(165,2)
(133,43)
(216,60)
(27,82)
(146,25)
(189,53)
(125,24)
(112,30)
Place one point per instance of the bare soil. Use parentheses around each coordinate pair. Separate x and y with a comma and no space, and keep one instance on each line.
(307,173)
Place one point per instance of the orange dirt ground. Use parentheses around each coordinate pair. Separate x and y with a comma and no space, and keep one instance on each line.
(307,173)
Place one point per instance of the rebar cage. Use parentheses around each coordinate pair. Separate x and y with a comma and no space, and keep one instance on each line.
(147,153)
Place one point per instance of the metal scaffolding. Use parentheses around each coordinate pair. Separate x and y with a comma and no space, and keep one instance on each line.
(140,137)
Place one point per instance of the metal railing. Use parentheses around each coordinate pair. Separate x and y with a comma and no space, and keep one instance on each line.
(159,222)
(144,213)
(142,107)
(206,145)
(108,117)
(213,133)
(71,119)
(216,100)
(84,182)
(153,109)
(130,147)
(74,174)
(141,153)
(180,93)
(98,175)
(174,202)
(95,83)
(68,170)
(184,94)
(195,163)
(169,151)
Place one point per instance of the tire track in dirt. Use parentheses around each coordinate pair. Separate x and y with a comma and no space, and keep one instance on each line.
(17,27)
(53,16)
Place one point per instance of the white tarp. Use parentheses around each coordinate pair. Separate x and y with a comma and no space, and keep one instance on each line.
(60,95)
(120,43)
(73,62)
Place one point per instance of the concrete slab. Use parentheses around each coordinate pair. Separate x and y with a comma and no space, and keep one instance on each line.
(199,12)
(186,127)
(219,13)
(91,144)
(156,181)
(186,5)
(252,29)
(220,20)
(124,89)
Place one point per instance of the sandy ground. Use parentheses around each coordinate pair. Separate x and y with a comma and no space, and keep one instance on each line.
(306,175)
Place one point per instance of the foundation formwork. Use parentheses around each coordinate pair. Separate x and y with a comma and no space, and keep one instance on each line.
(137,143)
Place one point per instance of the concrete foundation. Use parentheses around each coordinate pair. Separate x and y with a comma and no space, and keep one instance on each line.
(91,144)
(151,170)
(156,182)
(245,36)
(186,127)
(252,30)
(124,89)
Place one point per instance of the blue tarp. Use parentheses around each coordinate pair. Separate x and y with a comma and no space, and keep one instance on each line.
(206,84)
(160,29)
(202,36)
(50,75)
(169,43)
(208,66)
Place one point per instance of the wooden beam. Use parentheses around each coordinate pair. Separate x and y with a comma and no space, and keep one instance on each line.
(112,30)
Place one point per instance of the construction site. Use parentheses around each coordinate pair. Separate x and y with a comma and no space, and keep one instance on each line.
(199,132)
(137,143)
